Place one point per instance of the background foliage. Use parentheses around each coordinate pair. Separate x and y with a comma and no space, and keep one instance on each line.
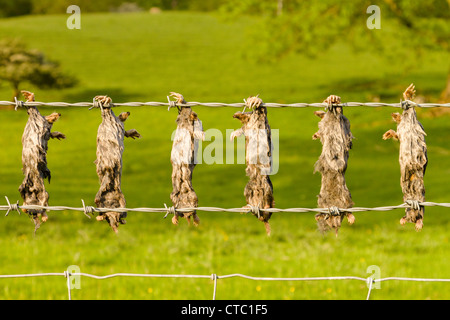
(10,8)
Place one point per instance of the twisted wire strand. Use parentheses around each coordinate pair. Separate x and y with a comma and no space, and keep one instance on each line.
(172,210)
(214,277)
(18,104)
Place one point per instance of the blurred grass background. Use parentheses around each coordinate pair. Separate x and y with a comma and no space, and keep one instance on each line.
(142,57)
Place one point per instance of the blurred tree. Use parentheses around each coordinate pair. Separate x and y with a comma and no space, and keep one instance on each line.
(204,5)
(18,65)
(193,5)
(10,8)
(60,6)
(21,7)
(408,27)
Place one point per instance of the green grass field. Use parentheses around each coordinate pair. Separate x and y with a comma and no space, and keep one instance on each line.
(142,57)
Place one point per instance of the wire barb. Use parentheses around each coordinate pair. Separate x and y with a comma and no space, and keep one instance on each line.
(170,210)
(12,206)
(414,204)
(255,210)
(405,105)
(87,209)
(95,104)
(19,103)
(172,104)
(334,211)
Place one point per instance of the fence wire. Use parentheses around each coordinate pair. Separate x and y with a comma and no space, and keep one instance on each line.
(370,281)
(171,104)
(246,209)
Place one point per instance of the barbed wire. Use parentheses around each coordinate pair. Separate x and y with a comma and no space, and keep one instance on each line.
(246,209)
(214,277)
(171,104)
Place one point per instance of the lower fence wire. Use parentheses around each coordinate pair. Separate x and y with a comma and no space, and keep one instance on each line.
(214,277)
(171,210)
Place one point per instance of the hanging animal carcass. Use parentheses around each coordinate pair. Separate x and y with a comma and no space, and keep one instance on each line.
(258,146)
(413,158)
(336,138)
(35,139)
(183,158)
(110,147)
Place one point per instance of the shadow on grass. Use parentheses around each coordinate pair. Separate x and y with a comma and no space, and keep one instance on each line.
(390,87)
(116,94)
(374,89)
